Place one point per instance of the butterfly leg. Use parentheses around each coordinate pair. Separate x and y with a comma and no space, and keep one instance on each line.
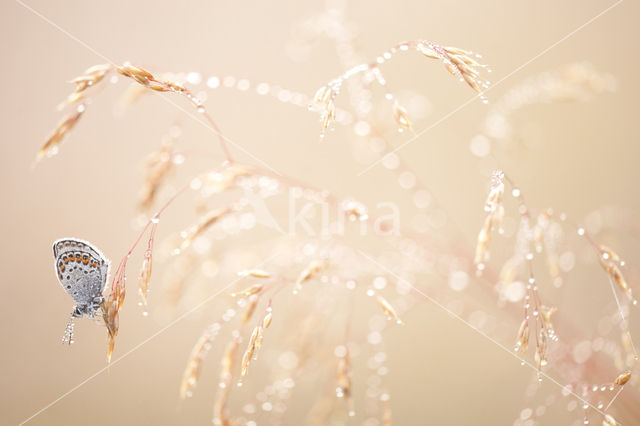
(68,332)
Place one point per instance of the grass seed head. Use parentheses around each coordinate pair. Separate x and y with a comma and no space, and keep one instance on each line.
(401,116)
(623,378)
(523,337)
(388,309)
(52,144)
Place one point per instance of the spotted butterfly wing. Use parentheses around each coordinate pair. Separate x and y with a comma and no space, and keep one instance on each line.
(82,271)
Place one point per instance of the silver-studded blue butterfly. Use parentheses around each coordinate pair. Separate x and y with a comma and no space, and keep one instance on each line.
(82,271)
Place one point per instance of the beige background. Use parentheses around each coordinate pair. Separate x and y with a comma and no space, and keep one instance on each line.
(581,156)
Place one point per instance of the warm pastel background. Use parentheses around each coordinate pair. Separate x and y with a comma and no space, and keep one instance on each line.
(578,157)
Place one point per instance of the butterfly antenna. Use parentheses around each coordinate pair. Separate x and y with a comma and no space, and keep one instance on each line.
(68,332)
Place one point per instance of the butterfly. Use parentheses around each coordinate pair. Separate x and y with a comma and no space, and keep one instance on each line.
(82,270)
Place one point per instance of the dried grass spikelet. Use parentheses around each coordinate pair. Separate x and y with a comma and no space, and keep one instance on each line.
(344,381)
(542,224)
(113,303)
(266,321)
(256,273)
(177,276)
(545,238)
(388,309)
(540,356)
(324,97)
(194,365)
(89,78)
(220,414)
(460,63)
(522,343)
(314,267)
(144,77)
(251,308)
(508,274)
(607,254)
(611,263)
(145,277)
(204,223)
(343,387)
(482,246)
(545,314)
(51,145)
(249,291)
(427,51)
(255,341)
(111,309)
(219,181)
(132,94)
(609,420)
(616,274)
(147,263)
(495,214)
(157,166)
(509,270)
(401,116)
(623,378)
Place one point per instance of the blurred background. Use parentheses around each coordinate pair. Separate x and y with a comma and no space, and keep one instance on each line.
(577,155)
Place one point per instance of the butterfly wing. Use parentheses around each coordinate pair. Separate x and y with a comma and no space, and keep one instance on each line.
(81,269)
